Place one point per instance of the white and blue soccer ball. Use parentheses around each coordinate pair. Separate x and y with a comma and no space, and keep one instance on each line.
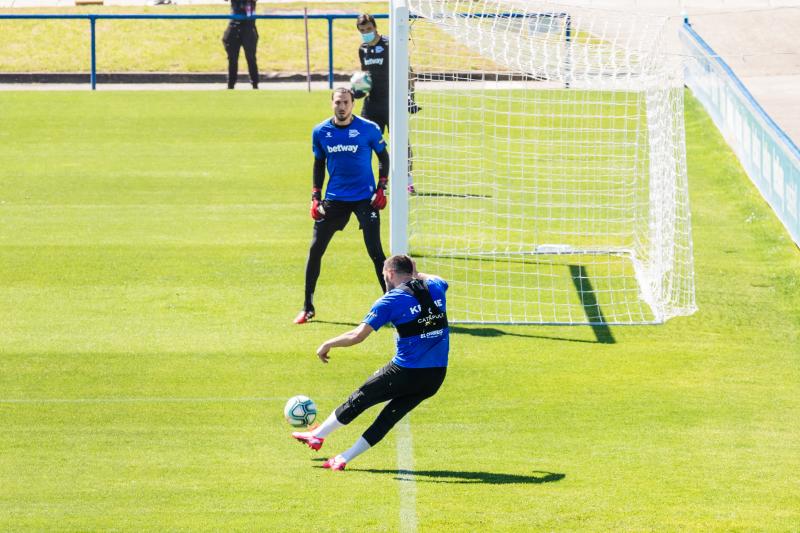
(300,411)
(361,81)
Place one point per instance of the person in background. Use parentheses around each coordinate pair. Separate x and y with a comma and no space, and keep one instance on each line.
(241,34)
(373,55)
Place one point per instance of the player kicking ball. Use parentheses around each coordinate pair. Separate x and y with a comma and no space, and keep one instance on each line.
(415,304)
(345,143)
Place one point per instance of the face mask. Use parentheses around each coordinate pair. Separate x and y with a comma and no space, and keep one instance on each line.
(368,37)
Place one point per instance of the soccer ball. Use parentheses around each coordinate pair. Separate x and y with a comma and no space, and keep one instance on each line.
(300,411)
(361,81)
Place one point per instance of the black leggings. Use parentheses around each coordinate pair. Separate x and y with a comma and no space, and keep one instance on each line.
(405,387)
(376,112)
(380,116)
(237,36)
(337,214)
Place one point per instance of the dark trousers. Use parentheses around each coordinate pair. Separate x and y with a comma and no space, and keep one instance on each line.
(403,388)
(377,111)
(241,36)
(379,114)
(337,214)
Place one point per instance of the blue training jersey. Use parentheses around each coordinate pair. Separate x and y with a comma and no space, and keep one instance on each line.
(399,307)
(348,150)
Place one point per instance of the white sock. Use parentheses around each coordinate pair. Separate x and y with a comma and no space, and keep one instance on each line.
(358,448)
(330,425)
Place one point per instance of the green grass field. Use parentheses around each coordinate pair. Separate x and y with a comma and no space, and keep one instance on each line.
(152,248)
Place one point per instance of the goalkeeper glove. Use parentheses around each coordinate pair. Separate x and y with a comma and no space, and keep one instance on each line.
(378,200)
(317,211)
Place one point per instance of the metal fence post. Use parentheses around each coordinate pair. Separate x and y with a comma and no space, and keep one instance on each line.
(93,75)
(330,52)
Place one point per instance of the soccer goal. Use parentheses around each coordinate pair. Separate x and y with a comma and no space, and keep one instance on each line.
(548,159)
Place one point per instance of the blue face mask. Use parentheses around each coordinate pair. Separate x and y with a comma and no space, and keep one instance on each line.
(368,37)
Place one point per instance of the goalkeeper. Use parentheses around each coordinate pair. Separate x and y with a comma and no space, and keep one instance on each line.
(373,55)
(345,144)
(416,305)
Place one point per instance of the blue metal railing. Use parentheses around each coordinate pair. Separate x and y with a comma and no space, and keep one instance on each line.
(769,156)
(93,18)
(329,17)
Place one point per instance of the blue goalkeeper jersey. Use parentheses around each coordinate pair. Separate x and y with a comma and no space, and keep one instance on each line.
(348,150)
(416,347)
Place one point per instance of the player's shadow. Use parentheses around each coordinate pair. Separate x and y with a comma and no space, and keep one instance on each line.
(461,476)
(335,323)
(602,335)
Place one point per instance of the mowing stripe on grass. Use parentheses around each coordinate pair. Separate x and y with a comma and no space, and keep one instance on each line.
(405,470)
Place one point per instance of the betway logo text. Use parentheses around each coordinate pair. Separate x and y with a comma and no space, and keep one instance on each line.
(374,61)
(343,148)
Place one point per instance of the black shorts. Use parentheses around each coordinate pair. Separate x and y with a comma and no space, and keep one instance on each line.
(394,381)
(405,388)
(337,214)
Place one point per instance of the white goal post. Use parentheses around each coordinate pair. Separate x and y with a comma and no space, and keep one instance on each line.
(548,160)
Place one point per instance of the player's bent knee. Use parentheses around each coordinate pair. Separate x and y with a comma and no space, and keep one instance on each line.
(351,408)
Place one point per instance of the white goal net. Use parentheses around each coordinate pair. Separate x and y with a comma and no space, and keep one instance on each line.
(549,164)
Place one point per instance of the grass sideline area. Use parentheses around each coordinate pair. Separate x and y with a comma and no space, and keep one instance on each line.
(151,261)
(177,46)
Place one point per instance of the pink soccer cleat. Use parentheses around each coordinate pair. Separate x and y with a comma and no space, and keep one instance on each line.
(315,443)
(335,463)
(304,316)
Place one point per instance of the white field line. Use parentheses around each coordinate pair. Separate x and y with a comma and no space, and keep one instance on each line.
(408,487)
(136,400)
(405,449)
